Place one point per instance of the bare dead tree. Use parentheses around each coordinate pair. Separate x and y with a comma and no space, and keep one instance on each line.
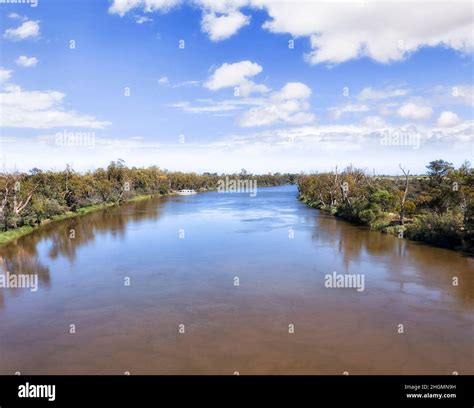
(404,195)
(344,190)
(18,207)
(321,198)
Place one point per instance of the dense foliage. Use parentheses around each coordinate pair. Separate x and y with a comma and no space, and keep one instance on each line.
(437,208)
(26,199)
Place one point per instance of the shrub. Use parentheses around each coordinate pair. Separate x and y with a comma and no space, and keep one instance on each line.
(443,230)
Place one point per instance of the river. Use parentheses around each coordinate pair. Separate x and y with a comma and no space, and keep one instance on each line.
(225,283)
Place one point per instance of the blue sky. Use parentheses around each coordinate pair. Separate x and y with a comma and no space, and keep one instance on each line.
(370,85)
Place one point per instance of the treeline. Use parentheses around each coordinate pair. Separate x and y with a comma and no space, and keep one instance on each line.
(26,199)
(437,208)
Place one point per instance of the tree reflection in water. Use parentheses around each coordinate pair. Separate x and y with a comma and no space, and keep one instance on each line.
(21,257)
(355,243)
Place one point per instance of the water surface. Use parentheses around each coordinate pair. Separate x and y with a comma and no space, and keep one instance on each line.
(182,256)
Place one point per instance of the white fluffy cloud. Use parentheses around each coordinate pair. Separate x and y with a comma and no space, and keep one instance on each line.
(447,118)
(28,29)
(27,62)
(384,31)
(41,110)
(293,90)
(236,75)
(289,105)
(220,27)
(415,111)
(222,19)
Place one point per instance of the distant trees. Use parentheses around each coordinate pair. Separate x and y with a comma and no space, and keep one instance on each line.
(440,186)
(437,208)
(29,198)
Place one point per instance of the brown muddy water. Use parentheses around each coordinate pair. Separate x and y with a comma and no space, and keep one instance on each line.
(182,255)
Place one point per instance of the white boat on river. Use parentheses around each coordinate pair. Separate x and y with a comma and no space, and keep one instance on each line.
(186,192)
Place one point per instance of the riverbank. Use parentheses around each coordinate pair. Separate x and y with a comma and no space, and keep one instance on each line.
(436,208)
(7,237)
(413,229)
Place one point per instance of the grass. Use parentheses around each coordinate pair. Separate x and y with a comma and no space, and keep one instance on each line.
(9,236)
(12,235)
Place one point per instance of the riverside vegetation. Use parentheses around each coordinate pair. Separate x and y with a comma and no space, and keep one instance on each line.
(28,200)
(437,208)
